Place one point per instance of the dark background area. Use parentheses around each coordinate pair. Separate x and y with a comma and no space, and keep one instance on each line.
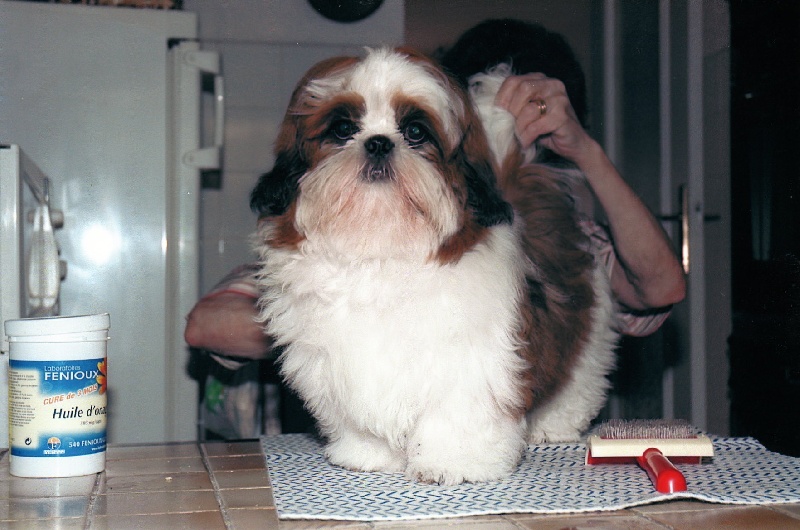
(765,164)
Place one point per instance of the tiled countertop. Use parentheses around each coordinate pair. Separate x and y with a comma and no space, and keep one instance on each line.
(225,485)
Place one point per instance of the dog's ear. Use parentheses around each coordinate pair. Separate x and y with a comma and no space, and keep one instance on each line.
(472,156)
(277,189)
(484,197)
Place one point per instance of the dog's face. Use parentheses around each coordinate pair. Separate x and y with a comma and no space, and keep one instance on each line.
(380,157)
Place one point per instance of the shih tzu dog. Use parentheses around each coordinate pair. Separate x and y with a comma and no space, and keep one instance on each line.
(429,328)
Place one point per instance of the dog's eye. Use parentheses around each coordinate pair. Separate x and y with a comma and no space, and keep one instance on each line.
(343,129)
(415,133)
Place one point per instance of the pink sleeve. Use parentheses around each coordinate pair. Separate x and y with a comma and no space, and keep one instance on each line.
(628,323)
(240,280)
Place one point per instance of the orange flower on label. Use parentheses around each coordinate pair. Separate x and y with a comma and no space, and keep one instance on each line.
(102,377)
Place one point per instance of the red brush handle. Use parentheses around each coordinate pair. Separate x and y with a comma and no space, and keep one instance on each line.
(665,477)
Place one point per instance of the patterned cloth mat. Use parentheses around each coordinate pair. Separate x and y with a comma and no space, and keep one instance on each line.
(552,478)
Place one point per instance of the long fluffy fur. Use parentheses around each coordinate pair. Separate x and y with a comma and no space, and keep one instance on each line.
(421,326)
(561,260)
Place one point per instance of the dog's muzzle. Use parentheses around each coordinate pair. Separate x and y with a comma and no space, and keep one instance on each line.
(378,149)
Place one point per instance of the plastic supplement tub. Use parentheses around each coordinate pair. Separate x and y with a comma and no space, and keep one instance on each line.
(57,381)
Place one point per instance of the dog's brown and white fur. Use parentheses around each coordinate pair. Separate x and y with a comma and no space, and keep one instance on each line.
(558,256)
(427,331)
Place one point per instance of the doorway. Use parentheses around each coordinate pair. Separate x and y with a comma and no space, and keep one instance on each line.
(765,137)
(665,124)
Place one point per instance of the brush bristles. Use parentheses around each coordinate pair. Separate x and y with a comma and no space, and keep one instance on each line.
(633,429)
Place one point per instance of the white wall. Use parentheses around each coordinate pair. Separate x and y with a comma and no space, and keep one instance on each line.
(266,46)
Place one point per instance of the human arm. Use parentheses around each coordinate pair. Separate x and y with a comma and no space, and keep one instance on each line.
(224,322)
(647,274)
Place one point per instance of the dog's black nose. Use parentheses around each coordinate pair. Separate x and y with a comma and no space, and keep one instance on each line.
(378,147)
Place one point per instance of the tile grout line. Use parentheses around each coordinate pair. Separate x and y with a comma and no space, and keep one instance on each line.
(652,520)
(780,510)
(98,481)
(215,484)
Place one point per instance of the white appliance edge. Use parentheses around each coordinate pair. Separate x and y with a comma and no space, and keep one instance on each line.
(107,102)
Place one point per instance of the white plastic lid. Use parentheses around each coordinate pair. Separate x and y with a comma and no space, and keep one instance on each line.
(31,327)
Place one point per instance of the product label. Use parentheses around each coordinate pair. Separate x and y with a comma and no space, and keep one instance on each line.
(57,408)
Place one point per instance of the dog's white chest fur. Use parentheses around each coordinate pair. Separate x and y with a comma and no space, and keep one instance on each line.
(388,352)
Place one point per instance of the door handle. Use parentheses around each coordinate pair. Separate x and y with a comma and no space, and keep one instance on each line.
(209,157)
(684,218)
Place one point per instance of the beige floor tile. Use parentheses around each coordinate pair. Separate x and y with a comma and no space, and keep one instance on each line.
(5,489)
(232,448)
(72,523)
(233,463)
(790,509)
(608,521)
(133,452)
(247,498)
(155,466)
(154,483)
(156,503)
(197,520)
(249,518)
(45,508)
(248,478)
(36,488)
(733,518)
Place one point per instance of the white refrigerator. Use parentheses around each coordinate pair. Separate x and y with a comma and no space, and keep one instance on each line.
(109,103)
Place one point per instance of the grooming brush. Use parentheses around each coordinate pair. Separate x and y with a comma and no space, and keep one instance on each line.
(653,444)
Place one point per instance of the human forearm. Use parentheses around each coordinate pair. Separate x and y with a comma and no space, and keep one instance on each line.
(649,274)
(225,323)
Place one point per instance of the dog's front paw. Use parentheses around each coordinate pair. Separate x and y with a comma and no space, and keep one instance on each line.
(451,473)
(448,452)
(542,431)
(538,436)
(452,461)
(364,453)
(434,475)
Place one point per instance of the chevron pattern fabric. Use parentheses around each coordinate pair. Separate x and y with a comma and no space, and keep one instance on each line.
(552,478)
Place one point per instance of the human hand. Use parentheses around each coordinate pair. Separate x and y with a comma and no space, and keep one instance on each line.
(557,128)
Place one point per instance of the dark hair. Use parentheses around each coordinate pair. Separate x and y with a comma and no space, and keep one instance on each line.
(527,47)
